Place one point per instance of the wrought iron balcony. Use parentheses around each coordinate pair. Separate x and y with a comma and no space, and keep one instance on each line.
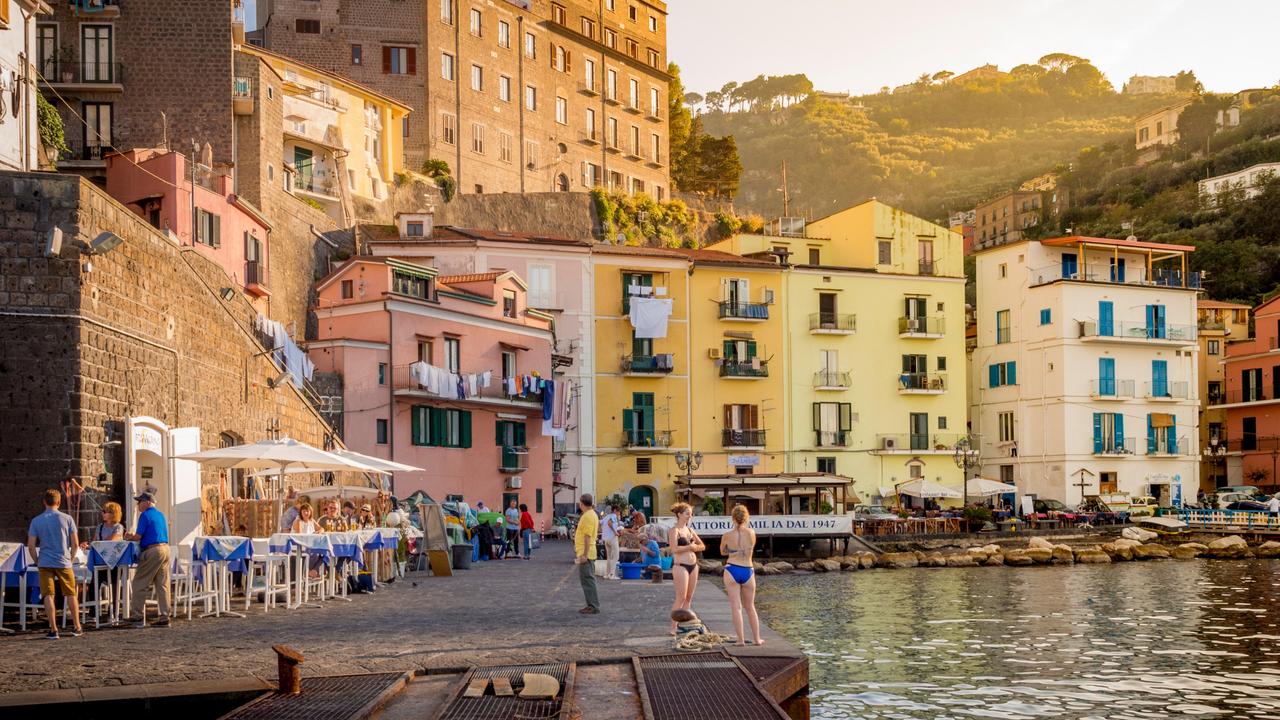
(80,72)
(831,438)
(930,327)
(660,364)
(1113,446)
(832,380)
(742,438)
(646,438)
(921,383)
(744,369)
(743,311)
(832,323)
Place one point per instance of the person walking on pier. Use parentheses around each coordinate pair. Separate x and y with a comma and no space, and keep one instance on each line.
(584,548)
(609,527)
(51,539)
(152,535)
(685,545)
(738,546)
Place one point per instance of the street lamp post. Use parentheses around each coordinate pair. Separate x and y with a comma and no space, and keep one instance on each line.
(966,457)
(688,462)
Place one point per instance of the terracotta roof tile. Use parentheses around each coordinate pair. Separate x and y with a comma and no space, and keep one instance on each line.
(1216,304)
(470,278)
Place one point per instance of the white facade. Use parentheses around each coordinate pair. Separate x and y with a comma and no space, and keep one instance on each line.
(1076,368)
(1249,181)
(19,136)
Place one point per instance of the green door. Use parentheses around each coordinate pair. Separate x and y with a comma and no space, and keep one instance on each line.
(641,498)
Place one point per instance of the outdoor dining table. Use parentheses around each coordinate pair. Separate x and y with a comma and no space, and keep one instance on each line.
(302,547)
(14,560)
(382,539)
(348,547)
(218,553)
(109,555)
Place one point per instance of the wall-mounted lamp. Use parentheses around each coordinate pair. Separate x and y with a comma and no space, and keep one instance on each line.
(228,294)
(104,243)
(280,379)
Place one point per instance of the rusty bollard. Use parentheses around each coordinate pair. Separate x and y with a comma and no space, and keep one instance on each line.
(287,662)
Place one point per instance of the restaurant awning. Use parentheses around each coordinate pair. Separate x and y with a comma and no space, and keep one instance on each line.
(764,481)
(926,489)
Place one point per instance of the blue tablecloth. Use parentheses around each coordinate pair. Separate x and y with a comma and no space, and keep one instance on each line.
(13,557)
(349,545)
(317,544)
(236,550)
(384,538)
(113,553)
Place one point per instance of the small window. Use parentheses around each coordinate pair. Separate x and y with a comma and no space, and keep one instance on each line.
(644,466)
(413,229)
(448,128)
(504,34)
(446,12)
(942,422)
(1004,270)
(446,66)
(509,303)
(827,465)
(942,363)
(886,252)
(562,111)
(530,46)
(382,373)
(357,55)
(1214,347)
(477,22)
(504,88)
(815,256)
(610,38)
(452,354)
(382,431)
(307,27)
(1046,316)
(348,289)
(1003,331)
(531,97)
(653,24)
(425,351)
(633,12)
(477,78)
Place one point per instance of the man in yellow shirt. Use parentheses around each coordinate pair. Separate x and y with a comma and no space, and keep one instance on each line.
(584,549)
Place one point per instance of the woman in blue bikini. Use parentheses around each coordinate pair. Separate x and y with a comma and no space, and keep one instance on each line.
(738,546)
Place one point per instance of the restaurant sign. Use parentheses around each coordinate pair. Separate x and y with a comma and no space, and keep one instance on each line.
(767,525)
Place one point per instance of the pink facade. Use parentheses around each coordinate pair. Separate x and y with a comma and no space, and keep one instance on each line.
(379,316)
(156,184)
(1251,397)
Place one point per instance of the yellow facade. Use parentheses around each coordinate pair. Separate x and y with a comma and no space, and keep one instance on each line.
(873,360)
(739,417)
(638,461)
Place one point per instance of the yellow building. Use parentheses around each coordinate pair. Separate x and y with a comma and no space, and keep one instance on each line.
(1218,324)
(641,393)
(736,372)
(342,141)
(873,355)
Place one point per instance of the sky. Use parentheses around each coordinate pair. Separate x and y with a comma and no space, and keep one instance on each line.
(861,45)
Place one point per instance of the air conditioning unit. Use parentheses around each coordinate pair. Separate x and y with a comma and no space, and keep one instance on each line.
(1088,329)
(713,353)
(515,483)
(889,443)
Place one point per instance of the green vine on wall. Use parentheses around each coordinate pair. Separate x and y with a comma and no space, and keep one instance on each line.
(52,135)
(645,221)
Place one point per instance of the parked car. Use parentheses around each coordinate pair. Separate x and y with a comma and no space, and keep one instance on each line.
(873,512)
(1225,499)
(1250,490)
(1248,505)
(1143,505)
(1054,508)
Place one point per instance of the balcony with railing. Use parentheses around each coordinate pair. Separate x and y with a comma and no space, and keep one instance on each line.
(513,459)
(1169,447)
(640,439)
(928,267)
(1102,272)
(1111,389)
(242,96)
(95,75)
(830,323)
(831,438)
(832,380)
(255,278)
(96,9)
(1210,323)
(647,365)
(916,443)
(744,369)
(409,388)
(921,327)
(734,438)
(744,311)
(1165,390)
(1241,396)
(1131,331)
(321,185)
(921,383)
(1113,446)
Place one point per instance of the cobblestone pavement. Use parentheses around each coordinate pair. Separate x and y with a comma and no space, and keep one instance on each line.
(497,612)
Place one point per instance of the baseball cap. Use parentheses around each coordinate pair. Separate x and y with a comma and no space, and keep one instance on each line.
(144,496)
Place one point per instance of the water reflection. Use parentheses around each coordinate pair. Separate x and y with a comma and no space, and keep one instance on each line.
(1132,640)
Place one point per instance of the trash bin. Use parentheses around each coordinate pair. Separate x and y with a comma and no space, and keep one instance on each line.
(462,556)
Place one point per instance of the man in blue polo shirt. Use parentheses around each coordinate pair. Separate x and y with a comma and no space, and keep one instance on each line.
(152,535)
(52,539)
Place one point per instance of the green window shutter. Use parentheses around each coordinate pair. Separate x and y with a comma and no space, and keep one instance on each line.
(626,294)
(728,349)
(817,416)
(519,434)
(751,349)
(439,427)
(846,417)
(415,425)
(497,432)
(464,427)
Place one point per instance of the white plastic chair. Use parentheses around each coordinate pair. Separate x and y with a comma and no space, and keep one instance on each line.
(267,574)
(186,588)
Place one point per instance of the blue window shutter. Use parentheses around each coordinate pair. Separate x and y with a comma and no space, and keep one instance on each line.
(993,376)
(1068,264)
(1097,432)
(1011,373)
(1106,318)
(1151,321)
(1173,439)
(1120,271)
(1159,378)
(1117,420)
(1151,436)
(1046,316)
(1107,376)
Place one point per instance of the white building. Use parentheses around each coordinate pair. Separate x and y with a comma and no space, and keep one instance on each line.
(19,134)
(1085,358)
(1248,181)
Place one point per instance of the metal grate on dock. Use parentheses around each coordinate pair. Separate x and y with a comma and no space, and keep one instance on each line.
(338,697)
(763,667)
(494,707)
(707,686)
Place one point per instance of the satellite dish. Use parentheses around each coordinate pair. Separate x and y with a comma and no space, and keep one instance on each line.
(621,238)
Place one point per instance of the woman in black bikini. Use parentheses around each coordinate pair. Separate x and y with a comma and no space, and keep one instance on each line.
(684,544)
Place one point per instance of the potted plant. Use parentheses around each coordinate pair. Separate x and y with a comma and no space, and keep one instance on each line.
(713,506)
(976,516)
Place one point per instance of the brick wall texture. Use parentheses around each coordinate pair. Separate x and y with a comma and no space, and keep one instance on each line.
(144,333)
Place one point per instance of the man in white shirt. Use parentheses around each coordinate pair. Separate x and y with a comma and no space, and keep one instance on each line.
(609,528)
(1273,506)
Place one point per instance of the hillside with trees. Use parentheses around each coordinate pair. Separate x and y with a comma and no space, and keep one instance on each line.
(937,144)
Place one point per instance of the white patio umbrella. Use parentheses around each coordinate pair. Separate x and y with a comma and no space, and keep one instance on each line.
(378,465)
(925,489)
(281,455)
(985,487)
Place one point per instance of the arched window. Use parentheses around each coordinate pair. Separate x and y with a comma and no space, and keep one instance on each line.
(562,182)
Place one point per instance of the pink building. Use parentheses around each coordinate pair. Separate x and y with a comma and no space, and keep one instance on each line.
(157,185)
(1251,397)
(446,373)
(558,273)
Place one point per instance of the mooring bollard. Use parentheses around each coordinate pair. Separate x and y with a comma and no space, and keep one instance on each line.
(287,662)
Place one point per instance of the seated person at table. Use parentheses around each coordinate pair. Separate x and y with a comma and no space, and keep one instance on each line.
(365,520)
(650,556)
(349,514)
(110,527)
(331,521)
(305,524)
